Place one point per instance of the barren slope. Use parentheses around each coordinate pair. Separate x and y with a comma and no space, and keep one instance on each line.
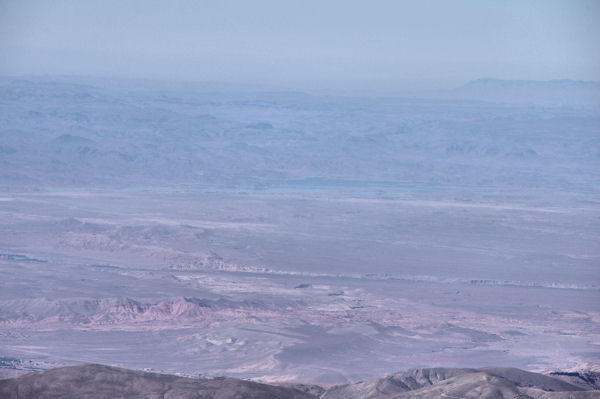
(93,381)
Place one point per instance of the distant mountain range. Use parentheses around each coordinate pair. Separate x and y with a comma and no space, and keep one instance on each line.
(551,92)
(59,133)
(93,381)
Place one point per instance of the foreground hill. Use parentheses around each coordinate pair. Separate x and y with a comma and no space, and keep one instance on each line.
(93,381)
(97,381)
(489,382)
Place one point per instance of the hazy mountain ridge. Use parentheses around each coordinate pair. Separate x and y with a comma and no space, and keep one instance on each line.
(69,134)
(552,92)
(97,381)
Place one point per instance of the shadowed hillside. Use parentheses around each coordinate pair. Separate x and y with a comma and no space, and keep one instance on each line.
(95,381)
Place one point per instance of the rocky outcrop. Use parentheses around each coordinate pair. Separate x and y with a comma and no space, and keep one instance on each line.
(586,379)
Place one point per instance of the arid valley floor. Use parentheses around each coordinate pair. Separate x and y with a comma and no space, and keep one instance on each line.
(283,237)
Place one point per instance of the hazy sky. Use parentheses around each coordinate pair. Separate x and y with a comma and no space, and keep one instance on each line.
(304,43)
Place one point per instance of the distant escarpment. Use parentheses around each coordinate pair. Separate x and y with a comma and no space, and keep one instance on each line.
(122,312)
(94,381)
